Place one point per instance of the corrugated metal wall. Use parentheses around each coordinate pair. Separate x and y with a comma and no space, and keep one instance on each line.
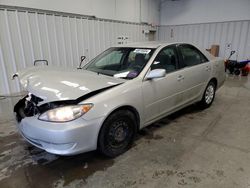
(60,38)
(229,35)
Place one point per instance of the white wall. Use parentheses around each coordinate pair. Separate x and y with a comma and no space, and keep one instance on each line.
(233,35)
(207,22)
(125,10)
(26,36)
(61,39)
(203,11)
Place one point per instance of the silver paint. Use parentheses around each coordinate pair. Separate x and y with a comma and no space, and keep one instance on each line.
(152,99)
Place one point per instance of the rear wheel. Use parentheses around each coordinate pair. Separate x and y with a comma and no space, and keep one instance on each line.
(237,72)
(117,133)
(208,96)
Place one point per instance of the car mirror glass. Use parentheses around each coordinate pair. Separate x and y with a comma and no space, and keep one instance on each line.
(156,62)
(156,73)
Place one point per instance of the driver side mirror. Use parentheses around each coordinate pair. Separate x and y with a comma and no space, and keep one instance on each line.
(156,73)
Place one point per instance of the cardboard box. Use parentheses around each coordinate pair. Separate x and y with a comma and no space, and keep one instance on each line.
(215,50)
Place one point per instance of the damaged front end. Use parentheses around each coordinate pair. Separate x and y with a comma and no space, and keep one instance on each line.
(50,88)
(30,105)
(27,107)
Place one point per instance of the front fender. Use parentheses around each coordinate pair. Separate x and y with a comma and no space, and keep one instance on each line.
(124,95)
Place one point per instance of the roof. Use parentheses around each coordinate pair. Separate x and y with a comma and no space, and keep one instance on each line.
(150,44)
(156,44)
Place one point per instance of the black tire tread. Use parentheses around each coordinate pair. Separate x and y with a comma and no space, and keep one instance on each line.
(111,118)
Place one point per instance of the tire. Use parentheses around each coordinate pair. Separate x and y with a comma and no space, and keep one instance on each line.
(117,133)
(237,72)
(208,96)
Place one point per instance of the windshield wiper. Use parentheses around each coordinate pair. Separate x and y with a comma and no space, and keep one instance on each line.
(126,78)
(103,73)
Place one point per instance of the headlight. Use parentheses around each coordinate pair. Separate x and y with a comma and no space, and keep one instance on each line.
(66,113)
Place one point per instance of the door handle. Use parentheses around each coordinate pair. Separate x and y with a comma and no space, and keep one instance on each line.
(180,77)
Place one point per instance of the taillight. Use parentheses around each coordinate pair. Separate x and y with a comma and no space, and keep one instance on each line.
(225,64)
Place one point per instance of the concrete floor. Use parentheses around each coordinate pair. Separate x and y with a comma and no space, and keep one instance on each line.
(191,148)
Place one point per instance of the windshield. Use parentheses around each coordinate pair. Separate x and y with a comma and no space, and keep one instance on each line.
(121,62)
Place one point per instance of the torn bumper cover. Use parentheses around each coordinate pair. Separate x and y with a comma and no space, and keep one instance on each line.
(67,138)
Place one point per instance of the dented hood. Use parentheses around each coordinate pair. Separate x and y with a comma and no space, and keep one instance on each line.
(55,84)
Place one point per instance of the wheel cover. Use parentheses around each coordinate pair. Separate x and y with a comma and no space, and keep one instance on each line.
(209,94)
(119,134)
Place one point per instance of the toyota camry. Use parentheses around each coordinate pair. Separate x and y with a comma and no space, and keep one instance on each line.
(103,105)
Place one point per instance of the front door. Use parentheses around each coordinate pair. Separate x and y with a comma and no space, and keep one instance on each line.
(161,95)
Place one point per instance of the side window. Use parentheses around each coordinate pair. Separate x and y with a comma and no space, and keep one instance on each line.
(191,56)
(166,59)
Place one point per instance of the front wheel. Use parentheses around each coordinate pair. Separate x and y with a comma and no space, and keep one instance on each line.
(117,133)
(208,96)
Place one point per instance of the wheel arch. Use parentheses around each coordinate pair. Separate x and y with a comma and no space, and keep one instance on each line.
(129,108)
(124,107)
(214,80)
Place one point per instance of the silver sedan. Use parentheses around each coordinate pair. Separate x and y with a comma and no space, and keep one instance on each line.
(103,104)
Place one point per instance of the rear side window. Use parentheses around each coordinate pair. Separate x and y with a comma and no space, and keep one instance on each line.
(191,56)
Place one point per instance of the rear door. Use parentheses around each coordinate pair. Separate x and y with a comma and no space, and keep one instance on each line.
(196,70)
